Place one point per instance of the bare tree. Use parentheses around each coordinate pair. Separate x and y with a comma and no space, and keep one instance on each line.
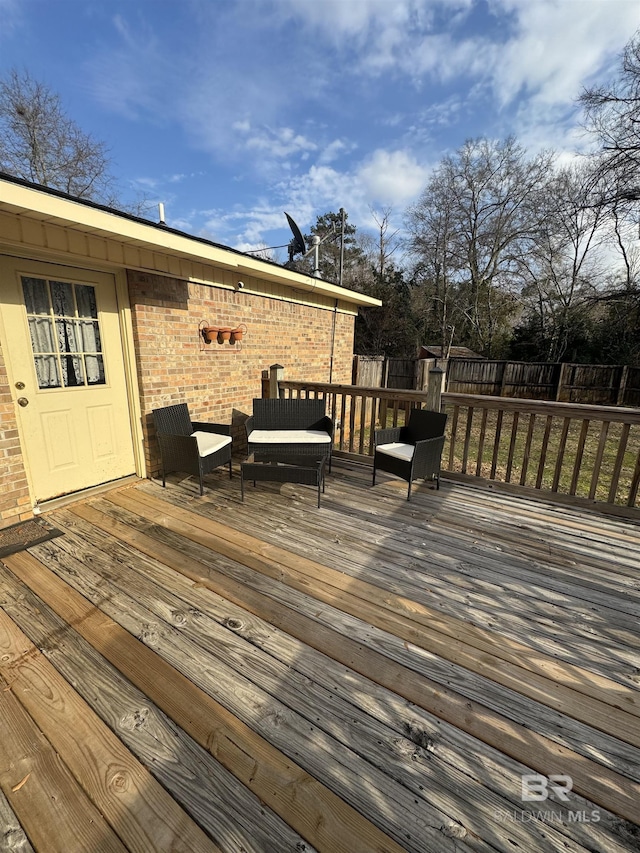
(561,270)
(613,115)
(480,206)
(40,143)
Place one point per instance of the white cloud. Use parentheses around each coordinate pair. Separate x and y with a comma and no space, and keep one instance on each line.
(557,46)
(391,178)
(336,149)
(279,142)
(272,96)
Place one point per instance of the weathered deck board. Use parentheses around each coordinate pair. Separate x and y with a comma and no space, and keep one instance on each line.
(560,728)
(379,674)
(136,807)
(425,627)
(445,782)
(224,807)
(251,685)
(416,568)
(13,838)
(307,805)
(395,754)
(31,771)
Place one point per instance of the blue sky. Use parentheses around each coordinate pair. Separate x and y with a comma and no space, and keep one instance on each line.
(233,111)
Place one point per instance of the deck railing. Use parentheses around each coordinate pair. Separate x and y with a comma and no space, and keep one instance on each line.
(586,454)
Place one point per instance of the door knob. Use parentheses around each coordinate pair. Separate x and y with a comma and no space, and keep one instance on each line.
(22,401)
(20,386)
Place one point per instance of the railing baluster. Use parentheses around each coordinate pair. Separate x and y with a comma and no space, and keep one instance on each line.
(483,430)
(560,457)
(527,450)
(467,439)
(363,420)
(512,445)
(617,468)
(579,454)
(496,445)
(543,451)
(352,421)
(454,435)
(597,463)
(635,480)
(343,414)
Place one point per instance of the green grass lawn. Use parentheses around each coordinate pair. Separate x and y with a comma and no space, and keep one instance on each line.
(589,453)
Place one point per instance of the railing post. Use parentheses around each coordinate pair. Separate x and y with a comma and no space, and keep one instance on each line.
(434,389)
(276,375)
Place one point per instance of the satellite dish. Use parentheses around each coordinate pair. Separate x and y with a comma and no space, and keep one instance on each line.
(297,245)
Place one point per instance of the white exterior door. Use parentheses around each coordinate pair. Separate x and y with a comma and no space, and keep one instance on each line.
(66,368)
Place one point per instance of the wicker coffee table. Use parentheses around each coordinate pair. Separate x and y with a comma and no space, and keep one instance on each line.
(278,467)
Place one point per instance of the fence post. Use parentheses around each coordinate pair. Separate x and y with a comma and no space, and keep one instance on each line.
(622,387)
(503,378)
(564,368)
(434,389)
(276,374)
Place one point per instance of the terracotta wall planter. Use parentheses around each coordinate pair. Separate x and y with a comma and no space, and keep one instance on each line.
(209,333)
(223,334)
(237,333)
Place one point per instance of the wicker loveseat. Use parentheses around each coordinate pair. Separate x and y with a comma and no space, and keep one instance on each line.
(290,427)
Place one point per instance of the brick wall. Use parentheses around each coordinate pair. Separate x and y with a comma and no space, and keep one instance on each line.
(219,381)
(15,503)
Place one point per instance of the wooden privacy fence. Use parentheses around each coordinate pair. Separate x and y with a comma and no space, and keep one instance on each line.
(411,374)
(603,384)
(588,455)
(600,384)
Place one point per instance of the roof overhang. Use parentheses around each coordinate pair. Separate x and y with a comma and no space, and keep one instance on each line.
(48,206)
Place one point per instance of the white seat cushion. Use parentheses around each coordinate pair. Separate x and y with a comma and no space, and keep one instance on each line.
(209,442)
(397,449)
(289,436)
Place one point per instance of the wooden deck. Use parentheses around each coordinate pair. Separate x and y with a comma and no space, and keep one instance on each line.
(184,674)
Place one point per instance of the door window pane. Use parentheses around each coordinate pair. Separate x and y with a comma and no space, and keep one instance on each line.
(62,299)
(41,331)
(86,301)
(95,369)
(90,336)
(47,371)
(72,372)
(68,338)
(36,295)
(65,333)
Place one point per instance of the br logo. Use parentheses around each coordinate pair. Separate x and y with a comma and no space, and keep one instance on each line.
(536,787)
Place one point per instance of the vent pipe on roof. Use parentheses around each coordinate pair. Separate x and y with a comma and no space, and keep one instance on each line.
(161,213)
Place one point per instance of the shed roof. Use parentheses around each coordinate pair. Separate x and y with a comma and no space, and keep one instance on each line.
(428,351)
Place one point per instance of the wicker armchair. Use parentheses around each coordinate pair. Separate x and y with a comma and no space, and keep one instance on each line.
(292,427)
(413,451)
(195,448)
